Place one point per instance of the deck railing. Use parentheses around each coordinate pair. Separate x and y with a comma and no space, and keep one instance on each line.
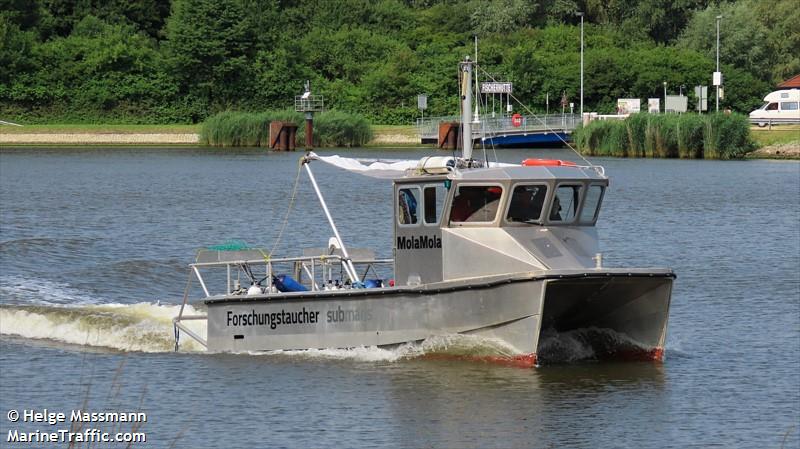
(310,271)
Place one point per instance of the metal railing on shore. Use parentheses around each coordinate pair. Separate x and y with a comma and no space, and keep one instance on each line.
(428,127)
(770,122)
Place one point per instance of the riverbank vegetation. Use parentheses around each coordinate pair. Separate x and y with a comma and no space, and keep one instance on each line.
(245,129)
(712,136)
(182,61)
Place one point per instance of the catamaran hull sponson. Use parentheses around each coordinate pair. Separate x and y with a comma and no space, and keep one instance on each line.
(512,308)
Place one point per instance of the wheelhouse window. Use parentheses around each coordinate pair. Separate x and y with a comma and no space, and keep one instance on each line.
(527,202)
(591,204)
(565,204)
(407,201)
(434,201)
(475,204)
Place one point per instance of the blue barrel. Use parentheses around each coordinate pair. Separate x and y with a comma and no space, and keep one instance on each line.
(373,283)
(285,283)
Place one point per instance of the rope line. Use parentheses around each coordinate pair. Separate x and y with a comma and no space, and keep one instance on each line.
(537,118)
(288,211)
(485,105)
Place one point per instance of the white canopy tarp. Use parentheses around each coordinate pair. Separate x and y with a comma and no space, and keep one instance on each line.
(376,168)
(387,168)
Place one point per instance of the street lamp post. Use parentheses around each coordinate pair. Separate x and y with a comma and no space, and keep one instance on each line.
(665,97)
(718,81)
(581,16)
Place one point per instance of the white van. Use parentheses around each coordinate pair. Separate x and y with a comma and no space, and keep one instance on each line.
(781,106)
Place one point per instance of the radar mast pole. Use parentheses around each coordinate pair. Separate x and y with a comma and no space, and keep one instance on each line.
(466,109)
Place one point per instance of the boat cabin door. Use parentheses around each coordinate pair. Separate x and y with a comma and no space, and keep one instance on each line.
(417,231)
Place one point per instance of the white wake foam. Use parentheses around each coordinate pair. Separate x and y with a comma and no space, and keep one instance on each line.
(453,344)
(144,327)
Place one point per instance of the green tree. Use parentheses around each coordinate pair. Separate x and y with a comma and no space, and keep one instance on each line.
(743,38)
(156,60)
(59,17)
(99,72)
(23,13)
(663,20)
(501,16)
(782,22)
(210,45)
(280,74)
(16,47)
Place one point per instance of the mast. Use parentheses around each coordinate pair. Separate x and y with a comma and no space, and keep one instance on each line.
(477,117)
(466,108)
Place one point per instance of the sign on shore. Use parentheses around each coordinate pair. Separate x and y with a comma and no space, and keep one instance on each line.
(496,88)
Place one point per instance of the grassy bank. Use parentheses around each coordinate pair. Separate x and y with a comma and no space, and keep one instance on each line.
(383,136)
(776,136)
(780,142)
(394,136)
(99,129)
(712,136)
(331,129)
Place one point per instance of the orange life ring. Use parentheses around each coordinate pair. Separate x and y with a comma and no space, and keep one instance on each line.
(516,120)
(547,163)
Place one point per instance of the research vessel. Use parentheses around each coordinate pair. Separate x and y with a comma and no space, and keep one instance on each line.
(506,252)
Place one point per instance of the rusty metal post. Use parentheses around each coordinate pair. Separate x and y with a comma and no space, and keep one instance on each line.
(292,130)
(448,135)
(452,139)
(309,130)
(274,133)
(284,139)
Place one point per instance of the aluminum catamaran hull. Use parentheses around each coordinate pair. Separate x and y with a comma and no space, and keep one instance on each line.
(512,308)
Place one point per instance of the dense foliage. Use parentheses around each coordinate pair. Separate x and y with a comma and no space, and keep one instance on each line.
(151,61)
(712,136)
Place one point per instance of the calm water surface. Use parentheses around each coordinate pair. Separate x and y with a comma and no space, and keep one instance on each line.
(93,252)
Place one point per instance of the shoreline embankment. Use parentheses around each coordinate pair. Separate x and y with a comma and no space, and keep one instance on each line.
(383,137)
(92,138)
(789,150)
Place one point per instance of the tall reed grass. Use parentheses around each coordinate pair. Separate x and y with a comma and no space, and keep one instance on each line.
(251,129)
(341,129)
(712,136)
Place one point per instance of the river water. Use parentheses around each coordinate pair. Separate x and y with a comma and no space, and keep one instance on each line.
(93,255)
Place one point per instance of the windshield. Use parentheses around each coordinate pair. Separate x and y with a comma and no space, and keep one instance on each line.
(565,204)
(407,200)
(526,204)
(475,204)
(591,204)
